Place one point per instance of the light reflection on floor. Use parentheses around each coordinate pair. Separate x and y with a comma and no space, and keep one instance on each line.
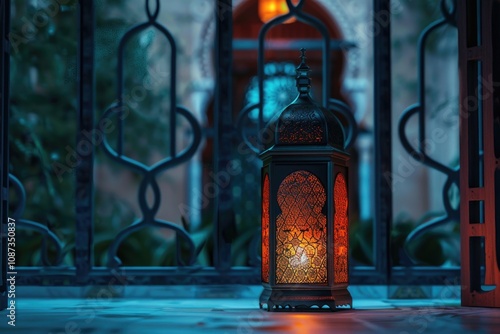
(242,316)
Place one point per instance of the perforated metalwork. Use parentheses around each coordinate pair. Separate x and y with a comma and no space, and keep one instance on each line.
(340,238)
(301,127)
(301,255)
(265,230)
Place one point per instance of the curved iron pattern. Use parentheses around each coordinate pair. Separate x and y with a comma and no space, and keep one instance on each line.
(149,173)
(335,105)
(251,141)
(26,224)
(419,153)
(344,110)
(338,107)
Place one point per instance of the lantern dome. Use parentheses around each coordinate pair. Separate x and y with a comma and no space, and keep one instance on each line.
(304,121)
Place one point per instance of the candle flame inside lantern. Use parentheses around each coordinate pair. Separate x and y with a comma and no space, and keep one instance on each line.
(300,259)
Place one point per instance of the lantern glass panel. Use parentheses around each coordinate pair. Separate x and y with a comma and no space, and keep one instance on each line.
(301,234)
(340,229)
(265,230)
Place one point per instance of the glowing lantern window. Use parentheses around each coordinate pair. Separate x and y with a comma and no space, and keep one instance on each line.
(265,230)
(304,207)
(269,9)
(341,220)
(301,230)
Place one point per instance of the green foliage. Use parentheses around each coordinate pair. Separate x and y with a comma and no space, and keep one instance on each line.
(43,123)
(43,120)
(436,247)
(361,242)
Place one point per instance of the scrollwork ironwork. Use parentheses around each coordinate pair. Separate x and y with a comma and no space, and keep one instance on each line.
(420,153)
(149,173)
(336,106)
(26,224)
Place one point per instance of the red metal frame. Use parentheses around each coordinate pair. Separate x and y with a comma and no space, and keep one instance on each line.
(480,270)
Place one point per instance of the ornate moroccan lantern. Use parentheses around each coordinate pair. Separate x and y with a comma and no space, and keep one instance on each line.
(304,207)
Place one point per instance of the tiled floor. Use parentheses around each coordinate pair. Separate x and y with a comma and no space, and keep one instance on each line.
(242,316)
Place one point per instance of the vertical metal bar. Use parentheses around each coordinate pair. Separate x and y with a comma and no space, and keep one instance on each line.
(260,75)
(4,144)
(468,246)
(224,218)
(326,72)
(485,136)
(383,141)
(85,170)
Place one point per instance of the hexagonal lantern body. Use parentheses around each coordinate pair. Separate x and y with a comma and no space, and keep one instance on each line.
(304,207)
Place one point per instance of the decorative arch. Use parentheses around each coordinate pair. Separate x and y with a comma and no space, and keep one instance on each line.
(246,28)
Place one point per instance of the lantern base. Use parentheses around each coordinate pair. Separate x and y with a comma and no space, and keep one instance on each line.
(286,300)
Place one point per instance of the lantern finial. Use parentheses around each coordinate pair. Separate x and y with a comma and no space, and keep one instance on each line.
(303,55)
(303,80)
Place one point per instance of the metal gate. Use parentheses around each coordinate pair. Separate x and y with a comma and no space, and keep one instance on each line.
(224,130)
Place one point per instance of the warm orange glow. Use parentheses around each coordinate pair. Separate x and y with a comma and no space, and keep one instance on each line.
(301,230)
(265,230)
(304,323)
(269,9)
(341,222)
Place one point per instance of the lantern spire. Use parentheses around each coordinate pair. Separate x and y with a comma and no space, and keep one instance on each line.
(303,80)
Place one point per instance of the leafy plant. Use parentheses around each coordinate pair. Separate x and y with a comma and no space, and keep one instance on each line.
(43,125)
(439,246)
